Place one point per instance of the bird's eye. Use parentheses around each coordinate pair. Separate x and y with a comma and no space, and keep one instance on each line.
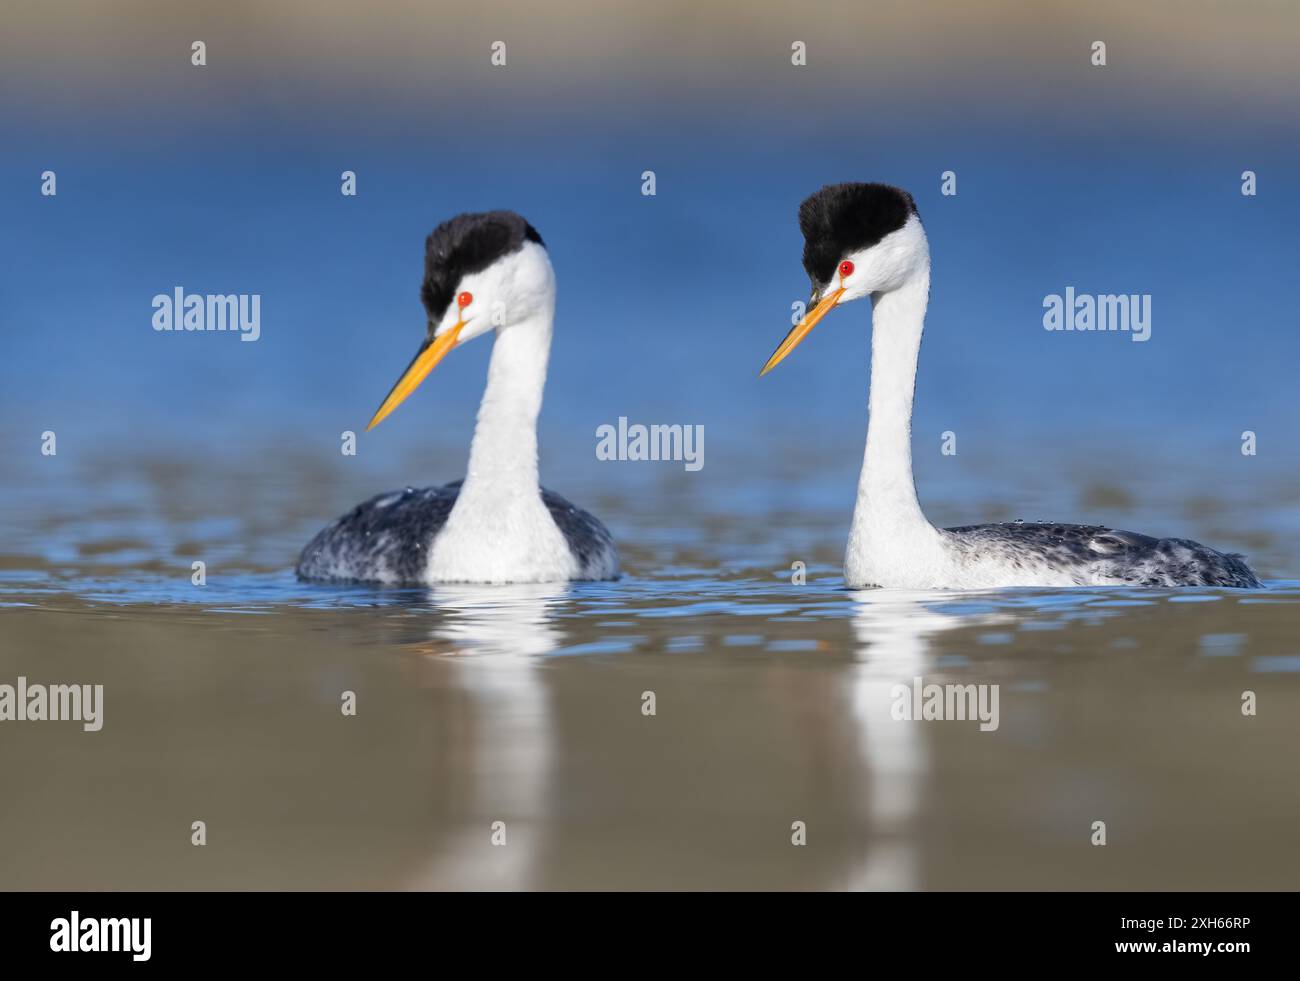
(464,300)
(846,268)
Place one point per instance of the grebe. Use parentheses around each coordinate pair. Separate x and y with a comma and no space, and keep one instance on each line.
(481,272)
(866,240)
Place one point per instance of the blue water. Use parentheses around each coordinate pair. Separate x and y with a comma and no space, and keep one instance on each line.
(668,304)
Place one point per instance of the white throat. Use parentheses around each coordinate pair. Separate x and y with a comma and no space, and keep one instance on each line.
(503,454)
(891,542)
(499,530)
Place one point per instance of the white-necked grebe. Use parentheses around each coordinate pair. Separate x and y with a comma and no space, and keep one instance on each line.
(482,272)
(866,240)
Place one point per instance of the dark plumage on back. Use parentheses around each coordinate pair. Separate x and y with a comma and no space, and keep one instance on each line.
(1093,551)
(844,218)
(466,244)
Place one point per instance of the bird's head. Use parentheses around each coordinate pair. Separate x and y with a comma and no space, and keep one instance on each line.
(859,240)
(482,272)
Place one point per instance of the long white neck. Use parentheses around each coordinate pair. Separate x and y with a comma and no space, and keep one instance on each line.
(503,454)
(500,529)
(889,530)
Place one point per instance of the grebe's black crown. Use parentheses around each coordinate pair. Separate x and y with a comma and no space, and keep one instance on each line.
(468,244)
(844,218)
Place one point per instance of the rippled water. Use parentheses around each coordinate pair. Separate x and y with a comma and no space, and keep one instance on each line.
(524,705)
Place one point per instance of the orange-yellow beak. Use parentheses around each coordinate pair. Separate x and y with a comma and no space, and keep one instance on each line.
(430,353)
(801,329)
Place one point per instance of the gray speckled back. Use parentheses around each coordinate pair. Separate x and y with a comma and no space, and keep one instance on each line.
(1106,553)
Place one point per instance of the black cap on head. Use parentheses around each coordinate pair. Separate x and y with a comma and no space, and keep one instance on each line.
(844,218)
(468,244)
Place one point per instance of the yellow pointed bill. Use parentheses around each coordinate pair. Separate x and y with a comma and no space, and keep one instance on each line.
(424,362)
(801,329)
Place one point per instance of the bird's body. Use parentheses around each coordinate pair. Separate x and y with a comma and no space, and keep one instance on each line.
(497,525)
(866,240)
(1042,554)
(394,538)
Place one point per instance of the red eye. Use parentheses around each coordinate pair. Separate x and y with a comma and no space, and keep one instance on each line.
(464,300)
(846,268)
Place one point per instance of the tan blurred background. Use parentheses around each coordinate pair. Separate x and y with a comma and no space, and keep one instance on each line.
(1170,55)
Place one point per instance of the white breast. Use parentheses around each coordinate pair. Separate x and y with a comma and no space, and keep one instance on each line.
(500,538)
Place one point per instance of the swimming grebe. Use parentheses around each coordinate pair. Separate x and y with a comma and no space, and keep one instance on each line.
(481,272)
(866,240)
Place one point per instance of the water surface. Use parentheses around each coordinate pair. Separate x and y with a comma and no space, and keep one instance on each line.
(524,704)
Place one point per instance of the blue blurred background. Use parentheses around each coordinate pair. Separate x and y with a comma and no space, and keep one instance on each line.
(225,179)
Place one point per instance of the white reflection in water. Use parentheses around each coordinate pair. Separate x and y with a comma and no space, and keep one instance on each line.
(504,630)
(894,629)
(515,619)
